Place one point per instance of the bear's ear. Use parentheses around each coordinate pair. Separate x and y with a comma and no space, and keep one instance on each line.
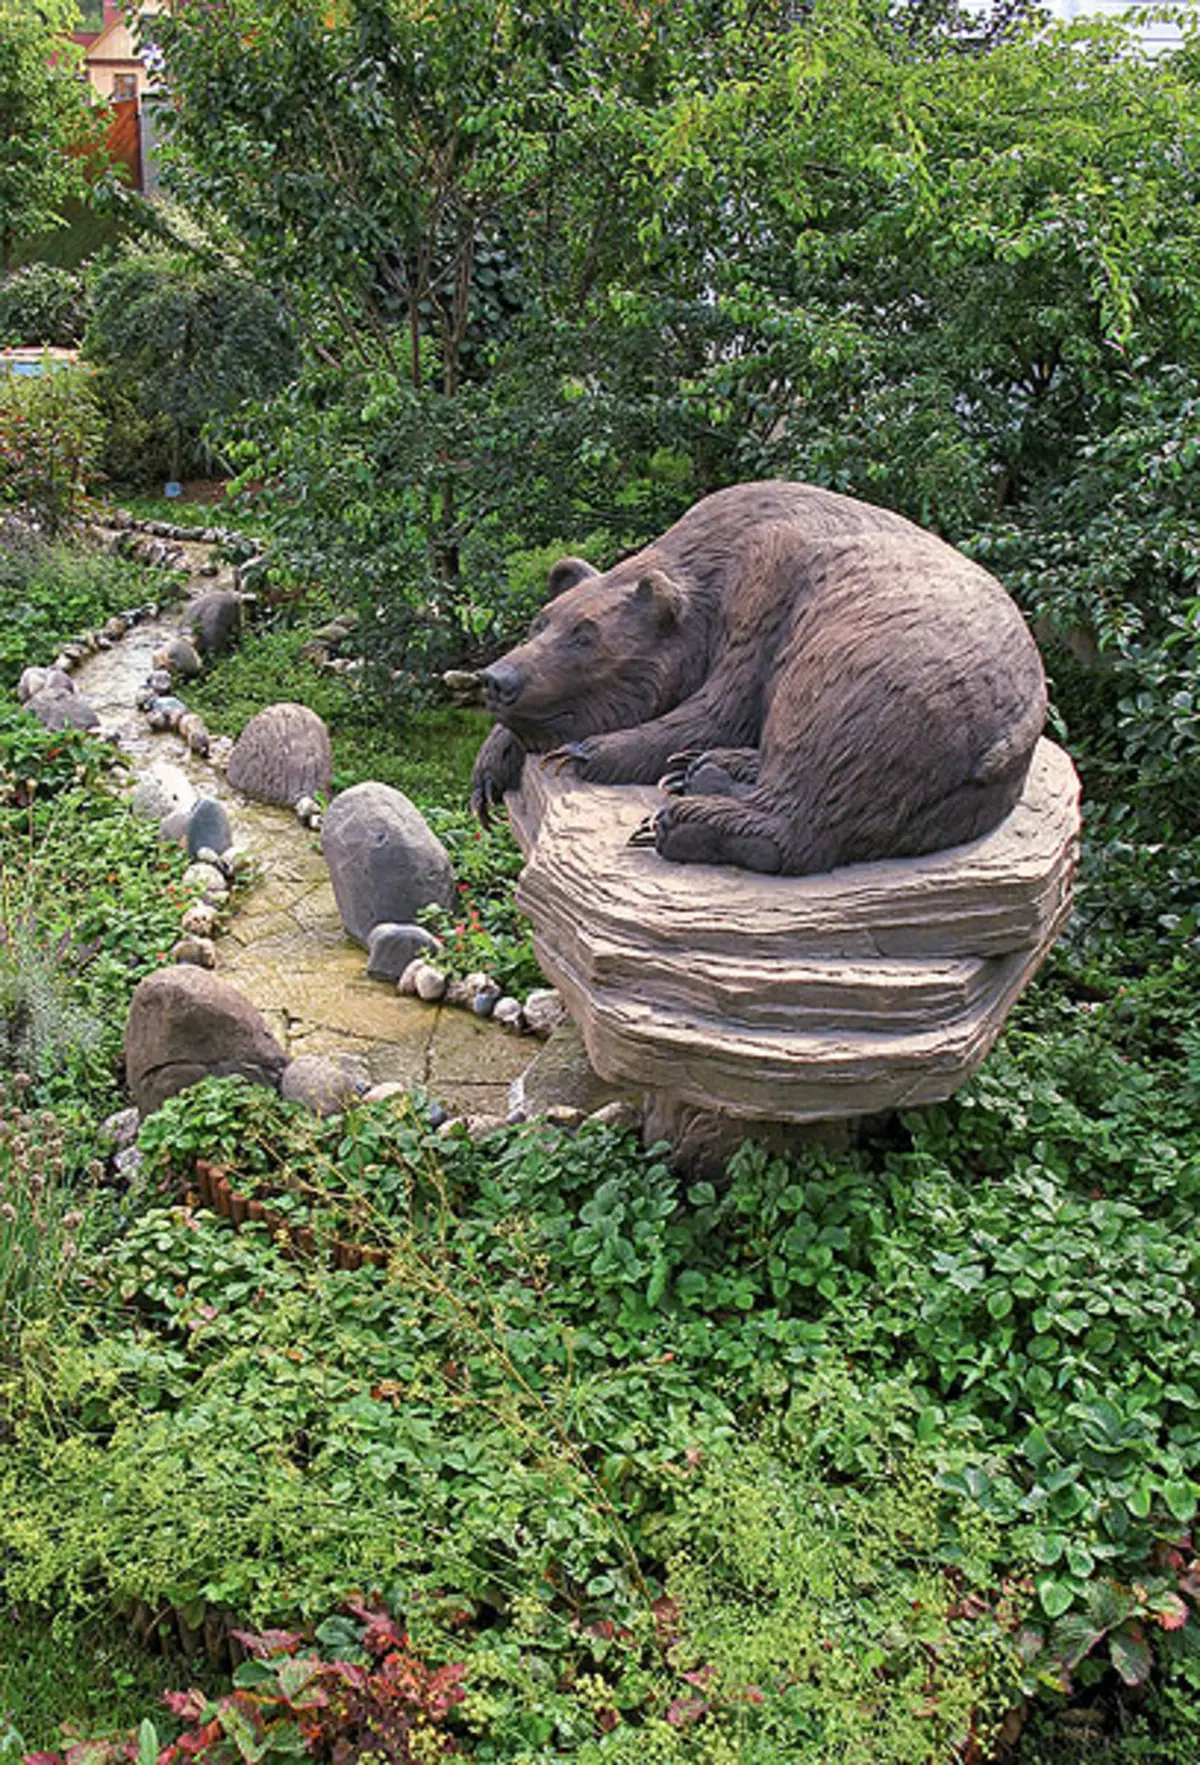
(657,591)
(566,573)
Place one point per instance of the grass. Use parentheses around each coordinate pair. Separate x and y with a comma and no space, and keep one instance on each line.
(89,1679)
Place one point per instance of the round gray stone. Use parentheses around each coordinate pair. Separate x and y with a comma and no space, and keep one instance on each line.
(32,681)
(384,862)
(59,710)
(208,826)
(325,1083)
(182,658)
(391,947)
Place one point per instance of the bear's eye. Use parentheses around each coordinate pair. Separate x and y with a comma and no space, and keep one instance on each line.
(584,633)
(539,625)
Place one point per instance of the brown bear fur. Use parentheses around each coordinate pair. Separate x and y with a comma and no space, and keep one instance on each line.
(844,686)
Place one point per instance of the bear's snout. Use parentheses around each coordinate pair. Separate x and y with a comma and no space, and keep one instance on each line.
(502,683)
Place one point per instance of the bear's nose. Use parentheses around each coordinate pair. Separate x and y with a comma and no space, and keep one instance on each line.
(502,682)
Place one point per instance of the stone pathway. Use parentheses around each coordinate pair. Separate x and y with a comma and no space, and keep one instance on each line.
(282,946)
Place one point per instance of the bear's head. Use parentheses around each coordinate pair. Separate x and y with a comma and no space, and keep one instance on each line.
(606,652)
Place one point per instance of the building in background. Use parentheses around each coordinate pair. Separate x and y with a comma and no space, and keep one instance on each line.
(120,77)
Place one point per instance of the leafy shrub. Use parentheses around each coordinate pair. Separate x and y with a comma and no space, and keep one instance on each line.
(51,435)
(42,304)
(178,341)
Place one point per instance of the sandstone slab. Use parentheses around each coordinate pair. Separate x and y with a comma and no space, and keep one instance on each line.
(873,987)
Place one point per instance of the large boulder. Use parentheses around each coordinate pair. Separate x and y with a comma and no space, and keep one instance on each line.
(283,753)
(384,862)
(216,619)
(186,1025)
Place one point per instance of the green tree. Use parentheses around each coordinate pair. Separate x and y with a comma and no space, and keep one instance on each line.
(48,128)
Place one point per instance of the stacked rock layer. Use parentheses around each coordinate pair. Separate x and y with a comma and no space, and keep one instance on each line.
(796,999)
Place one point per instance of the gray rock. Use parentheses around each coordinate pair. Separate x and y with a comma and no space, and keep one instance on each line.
(173,827)
(622,1112)
(430,984)
(58,710)
(325,1083)
(407,984)
(384,862)
(161,790)
(561,1073)
(129,1162)
(200,919)
(563,1115)
(32,681)
(544,1011)
(479,1127)
(284,753)
(484,1002)
(208,826)
(182,658)
(186,1025)
(507,1011)
(385,1093)
(206,881)
(391,947)
(202,952)
(159,680)
(192,730)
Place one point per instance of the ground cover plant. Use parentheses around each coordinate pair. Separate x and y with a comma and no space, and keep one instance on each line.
(878,1455)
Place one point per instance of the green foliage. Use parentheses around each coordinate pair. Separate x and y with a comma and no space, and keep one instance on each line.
(48,116)
(51,434)
(86,908)
(44,305)
(178,341)
(52,592)
(86,1679)
(39,1219)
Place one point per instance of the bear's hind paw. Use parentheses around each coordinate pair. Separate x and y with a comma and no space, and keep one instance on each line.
(645,833)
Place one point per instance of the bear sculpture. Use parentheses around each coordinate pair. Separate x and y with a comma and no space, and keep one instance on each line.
(814,681)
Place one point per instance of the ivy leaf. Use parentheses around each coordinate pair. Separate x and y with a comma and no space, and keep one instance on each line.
(1180,1496)
(1056,1596)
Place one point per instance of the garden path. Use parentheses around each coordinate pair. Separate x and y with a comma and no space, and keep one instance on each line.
(282,945)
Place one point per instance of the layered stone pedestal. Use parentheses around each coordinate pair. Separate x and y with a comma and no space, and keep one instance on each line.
(789,1000)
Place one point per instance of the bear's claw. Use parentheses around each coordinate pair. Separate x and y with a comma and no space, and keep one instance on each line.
(673,782)
(578,753)
(646,833)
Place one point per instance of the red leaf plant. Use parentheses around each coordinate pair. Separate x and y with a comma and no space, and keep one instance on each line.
(289,1704)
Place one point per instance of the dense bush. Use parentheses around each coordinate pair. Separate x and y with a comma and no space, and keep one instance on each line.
(42,304)
(178,340)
